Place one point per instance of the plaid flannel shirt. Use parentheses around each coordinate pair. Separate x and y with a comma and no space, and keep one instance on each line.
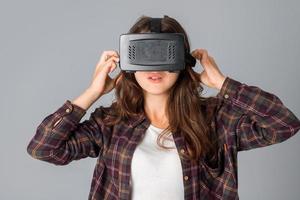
(246,117)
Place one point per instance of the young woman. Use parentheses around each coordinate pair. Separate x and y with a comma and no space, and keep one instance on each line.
(155,108)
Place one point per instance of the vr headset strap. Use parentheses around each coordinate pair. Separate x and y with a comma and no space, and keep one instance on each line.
(155,26)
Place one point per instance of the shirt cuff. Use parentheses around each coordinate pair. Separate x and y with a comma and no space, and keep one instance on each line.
(74,112)
(229,88)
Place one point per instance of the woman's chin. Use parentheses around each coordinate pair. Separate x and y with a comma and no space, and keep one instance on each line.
(154,91)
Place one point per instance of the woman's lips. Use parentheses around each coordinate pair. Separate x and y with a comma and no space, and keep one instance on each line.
(155,78)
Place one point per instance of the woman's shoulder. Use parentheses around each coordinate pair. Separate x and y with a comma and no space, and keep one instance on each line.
(209,106)
(210,103)
(112,115)
(104,111)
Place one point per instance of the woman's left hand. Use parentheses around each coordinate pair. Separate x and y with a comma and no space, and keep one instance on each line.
(211,76)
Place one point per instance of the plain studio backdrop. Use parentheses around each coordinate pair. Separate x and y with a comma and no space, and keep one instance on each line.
(49,50)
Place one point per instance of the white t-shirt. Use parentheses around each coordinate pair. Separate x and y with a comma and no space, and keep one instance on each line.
(156,173)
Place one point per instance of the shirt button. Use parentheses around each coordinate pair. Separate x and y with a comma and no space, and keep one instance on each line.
(68,110)
(226,96)
(182,151)
(186,178)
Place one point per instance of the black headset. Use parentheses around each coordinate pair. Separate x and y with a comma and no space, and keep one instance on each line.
(155,27)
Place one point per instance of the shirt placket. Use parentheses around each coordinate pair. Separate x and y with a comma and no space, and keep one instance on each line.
(189,170)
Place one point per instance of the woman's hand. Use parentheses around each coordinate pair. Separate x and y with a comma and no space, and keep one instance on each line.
(211,76)
(102,83)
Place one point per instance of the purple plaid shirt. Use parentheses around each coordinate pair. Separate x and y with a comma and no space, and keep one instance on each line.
(244,117)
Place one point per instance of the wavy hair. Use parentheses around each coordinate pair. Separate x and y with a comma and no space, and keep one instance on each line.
(185,110)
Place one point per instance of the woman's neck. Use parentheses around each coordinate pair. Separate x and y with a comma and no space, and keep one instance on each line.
(155,108)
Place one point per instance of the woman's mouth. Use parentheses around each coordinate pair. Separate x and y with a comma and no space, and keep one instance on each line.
(155,78)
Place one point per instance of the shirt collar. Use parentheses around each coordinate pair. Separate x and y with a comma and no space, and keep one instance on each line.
(135,120)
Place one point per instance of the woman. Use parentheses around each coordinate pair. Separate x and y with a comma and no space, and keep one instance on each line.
(204,134)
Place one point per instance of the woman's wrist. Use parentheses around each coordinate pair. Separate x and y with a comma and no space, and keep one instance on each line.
(86,99)
(220,82)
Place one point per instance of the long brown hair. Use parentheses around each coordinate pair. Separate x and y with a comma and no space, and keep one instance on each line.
(185,105)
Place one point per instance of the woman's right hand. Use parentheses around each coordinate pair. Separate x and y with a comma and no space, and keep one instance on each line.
(102,83)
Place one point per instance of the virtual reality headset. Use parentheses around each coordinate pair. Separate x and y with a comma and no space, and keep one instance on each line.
(154,51)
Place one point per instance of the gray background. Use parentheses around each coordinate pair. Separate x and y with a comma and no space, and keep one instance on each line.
(49,50)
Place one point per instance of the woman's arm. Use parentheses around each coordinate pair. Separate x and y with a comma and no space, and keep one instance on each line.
(256,117)
(263,119)
(60,138)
